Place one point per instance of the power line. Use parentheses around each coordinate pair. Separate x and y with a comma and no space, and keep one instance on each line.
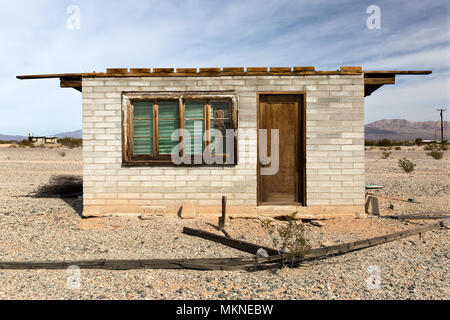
(441,111)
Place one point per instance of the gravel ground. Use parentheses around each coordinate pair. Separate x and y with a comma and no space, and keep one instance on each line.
(51,229)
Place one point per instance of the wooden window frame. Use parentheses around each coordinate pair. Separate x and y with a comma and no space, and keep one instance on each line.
(128,98)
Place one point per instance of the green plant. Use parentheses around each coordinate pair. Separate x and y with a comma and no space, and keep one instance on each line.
(289,238)
(25,143)
(444,145)
(62,154)
(406,165)
(436,154)
(418,142)
(71,142)
(436,150)
(384,143)
(386,155)
(398,148)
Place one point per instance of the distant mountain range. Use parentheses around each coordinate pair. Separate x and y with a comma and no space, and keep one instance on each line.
(394,129)
(72,134)
(400,129)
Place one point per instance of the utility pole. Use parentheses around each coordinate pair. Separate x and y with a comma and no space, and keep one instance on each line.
(442,123)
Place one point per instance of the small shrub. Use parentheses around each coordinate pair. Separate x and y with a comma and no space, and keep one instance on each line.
(418,142)
(386,155)
(444,145)
(398,148)
(25,143)
(406,165)
(289,238)
(62,154)
(384,143)
(436,154)
(71,143)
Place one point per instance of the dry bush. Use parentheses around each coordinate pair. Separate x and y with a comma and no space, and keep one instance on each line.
(71,143)
(406,165)
(289,239)
(436,154)
(25,143)
(386,155)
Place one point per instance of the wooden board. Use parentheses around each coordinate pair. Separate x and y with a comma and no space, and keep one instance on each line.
(233,243)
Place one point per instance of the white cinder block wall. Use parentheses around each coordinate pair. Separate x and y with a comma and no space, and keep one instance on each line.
(335,145)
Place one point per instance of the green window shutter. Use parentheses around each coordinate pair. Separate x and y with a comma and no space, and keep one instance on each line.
(168,122)
(143,128)
(194,115)
(220,120)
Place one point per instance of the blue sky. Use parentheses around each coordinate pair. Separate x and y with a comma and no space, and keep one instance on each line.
(136,33)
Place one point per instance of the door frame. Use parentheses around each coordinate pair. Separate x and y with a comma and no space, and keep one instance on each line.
(302,148)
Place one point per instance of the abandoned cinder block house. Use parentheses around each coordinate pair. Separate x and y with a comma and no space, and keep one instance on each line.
(131,156)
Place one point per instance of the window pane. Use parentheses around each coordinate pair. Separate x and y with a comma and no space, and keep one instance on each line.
(143,128)
(195,119)
(191,125)
(220,120)
(166,145)
(196,146)
(168,110)
(220,110)
(213,146)
(143,110)
(143,146)
(167,124)
(167,127)
(221,125)
(194,110)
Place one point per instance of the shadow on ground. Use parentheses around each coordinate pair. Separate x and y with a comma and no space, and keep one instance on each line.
(64,187)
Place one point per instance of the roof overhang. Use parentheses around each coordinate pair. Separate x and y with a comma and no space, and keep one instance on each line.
(373,80)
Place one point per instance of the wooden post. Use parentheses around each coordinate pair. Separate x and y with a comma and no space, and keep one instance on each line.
(224,214)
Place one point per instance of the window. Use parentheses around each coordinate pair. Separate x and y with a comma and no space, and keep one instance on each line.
(208,120)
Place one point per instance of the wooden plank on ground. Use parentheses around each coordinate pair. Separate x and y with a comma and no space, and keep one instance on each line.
(233,243)
(230,264)
(416,217)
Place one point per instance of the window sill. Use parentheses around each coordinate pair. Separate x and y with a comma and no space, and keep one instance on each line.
(165,163)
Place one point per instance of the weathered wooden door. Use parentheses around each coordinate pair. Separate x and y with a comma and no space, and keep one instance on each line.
(285,113)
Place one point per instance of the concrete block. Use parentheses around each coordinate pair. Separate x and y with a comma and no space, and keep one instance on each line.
(188,210)
(149,213)
(373,205)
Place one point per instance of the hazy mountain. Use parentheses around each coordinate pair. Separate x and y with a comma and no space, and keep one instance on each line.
(394,129)
(5,137)
(400,129)
(72,134)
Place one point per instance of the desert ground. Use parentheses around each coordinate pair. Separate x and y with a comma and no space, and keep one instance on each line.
(45,228)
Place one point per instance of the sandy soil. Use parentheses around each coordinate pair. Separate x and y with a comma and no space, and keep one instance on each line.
(52,229)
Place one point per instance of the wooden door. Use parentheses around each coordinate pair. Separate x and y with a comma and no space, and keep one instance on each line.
(285,113)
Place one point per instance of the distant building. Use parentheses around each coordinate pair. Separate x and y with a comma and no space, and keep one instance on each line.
(42,140)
